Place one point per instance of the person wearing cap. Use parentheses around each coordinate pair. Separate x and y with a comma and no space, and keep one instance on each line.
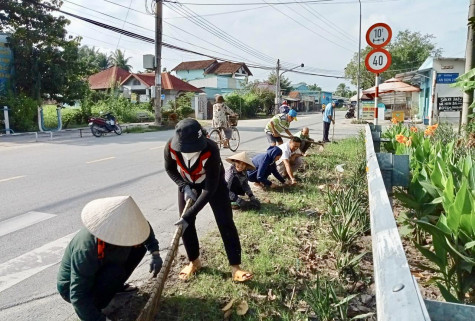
(328,118)
(265,165)
(102,255)
(220,119)
(278,124)
(193,162)
(291,159)
(284,109)
(238,183)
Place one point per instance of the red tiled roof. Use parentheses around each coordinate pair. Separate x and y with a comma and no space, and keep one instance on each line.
(227,68)
(106,78)
(169,82)
(294,94)
(194,65)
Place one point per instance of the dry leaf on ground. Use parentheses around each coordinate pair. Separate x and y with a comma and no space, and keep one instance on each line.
(270,296)
(227,314)
(242,308)
(228,306)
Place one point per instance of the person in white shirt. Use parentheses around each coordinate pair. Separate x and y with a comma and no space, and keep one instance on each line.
(291,159)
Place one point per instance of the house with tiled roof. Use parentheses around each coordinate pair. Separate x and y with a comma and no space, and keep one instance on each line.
(107,79)
(214,77)
(140,85)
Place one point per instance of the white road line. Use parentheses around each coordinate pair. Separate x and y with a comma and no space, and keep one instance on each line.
(22,221)
(157,147)
(100,160)
(24,266)
(11,178)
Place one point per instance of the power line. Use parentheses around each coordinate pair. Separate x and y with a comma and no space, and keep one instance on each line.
(243,3)
(298,22)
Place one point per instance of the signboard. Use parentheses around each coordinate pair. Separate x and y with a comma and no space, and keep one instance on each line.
(162,96)
(446,78)
(367,107)
(378,60)
(6,61)
(449,103)
(379,35)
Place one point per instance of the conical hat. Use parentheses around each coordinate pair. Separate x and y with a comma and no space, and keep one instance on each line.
(242,157)
(116,220)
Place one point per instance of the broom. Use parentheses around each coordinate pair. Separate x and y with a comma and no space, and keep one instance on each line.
(151,307)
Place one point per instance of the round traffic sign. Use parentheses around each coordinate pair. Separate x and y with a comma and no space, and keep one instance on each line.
(378,60)
(379,35)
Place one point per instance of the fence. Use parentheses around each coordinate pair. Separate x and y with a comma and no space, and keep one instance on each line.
(397,292)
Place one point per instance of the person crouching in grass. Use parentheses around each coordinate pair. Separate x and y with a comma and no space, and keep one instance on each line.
(238,182)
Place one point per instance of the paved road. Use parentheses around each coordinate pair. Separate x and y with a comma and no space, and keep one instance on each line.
(44,185)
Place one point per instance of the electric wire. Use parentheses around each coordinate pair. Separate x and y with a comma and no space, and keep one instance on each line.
(312,2)
(304,26)
(324,28)
(123,25)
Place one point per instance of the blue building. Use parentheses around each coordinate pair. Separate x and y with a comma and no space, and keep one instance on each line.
(434,77)
(214,77)
(310,99)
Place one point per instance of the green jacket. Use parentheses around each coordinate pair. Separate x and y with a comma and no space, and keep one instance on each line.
(80,264)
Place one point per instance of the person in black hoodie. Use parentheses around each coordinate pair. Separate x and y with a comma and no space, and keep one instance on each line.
(265,165)
(193,162)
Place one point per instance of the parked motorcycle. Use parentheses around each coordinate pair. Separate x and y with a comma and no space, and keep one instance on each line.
(103,125)
(350,113)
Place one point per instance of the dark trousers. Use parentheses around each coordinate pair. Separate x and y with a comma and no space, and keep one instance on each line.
(304,146)
(326,130)
(223,214)
(110,278)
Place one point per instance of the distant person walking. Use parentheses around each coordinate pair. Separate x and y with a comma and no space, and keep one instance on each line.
(284,109)
(328,117)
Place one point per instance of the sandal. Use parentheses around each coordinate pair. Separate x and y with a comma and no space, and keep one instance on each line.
(242,276)
(188,271)
(127,287)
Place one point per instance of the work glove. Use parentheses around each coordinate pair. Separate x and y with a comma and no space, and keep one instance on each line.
(254,203)
(156,263)
(183,223)
(189,194)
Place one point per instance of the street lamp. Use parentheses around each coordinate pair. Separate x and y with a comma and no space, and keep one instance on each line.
(277,85)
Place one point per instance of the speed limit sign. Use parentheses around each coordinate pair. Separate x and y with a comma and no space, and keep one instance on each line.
(378,60)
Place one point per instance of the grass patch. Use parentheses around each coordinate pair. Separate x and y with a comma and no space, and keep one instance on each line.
(288,248)
(146,128)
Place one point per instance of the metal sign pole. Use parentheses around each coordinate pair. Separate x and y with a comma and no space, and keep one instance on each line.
(376,99)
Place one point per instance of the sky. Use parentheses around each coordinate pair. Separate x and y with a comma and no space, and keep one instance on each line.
(322,35)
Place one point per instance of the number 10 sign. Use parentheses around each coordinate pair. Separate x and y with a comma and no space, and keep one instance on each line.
(378,59)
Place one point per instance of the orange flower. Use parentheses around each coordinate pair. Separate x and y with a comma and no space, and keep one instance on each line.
(401,139)
(414,129)
(394,120)
(428,132)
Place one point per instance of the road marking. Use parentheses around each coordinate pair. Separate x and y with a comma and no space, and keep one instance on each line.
(157,147)
(11,178)
(24,266)
(100,160)
(22,221)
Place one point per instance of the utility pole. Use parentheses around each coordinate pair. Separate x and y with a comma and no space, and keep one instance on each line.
(469,62)
(277,88)
(359,71)
(157,103)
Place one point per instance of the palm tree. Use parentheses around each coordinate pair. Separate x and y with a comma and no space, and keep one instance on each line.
(119,60)
(103,61)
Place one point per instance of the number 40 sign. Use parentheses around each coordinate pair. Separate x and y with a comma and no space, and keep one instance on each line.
(378,59)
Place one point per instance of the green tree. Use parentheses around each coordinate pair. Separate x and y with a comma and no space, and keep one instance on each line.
(408,50)
(314,87)
(46,62)
(343,90)
(118,59)
(94,60)
(285,85)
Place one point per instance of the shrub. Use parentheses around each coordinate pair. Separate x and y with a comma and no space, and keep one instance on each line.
(23,112)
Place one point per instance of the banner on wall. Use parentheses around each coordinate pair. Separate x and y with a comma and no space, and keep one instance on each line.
(6,63)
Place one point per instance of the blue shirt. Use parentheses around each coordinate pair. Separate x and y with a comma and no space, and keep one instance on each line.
(328,112)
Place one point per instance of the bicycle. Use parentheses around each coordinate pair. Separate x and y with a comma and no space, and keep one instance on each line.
(217,135)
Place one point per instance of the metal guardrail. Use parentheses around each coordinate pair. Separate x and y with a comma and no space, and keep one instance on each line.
(397,292)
